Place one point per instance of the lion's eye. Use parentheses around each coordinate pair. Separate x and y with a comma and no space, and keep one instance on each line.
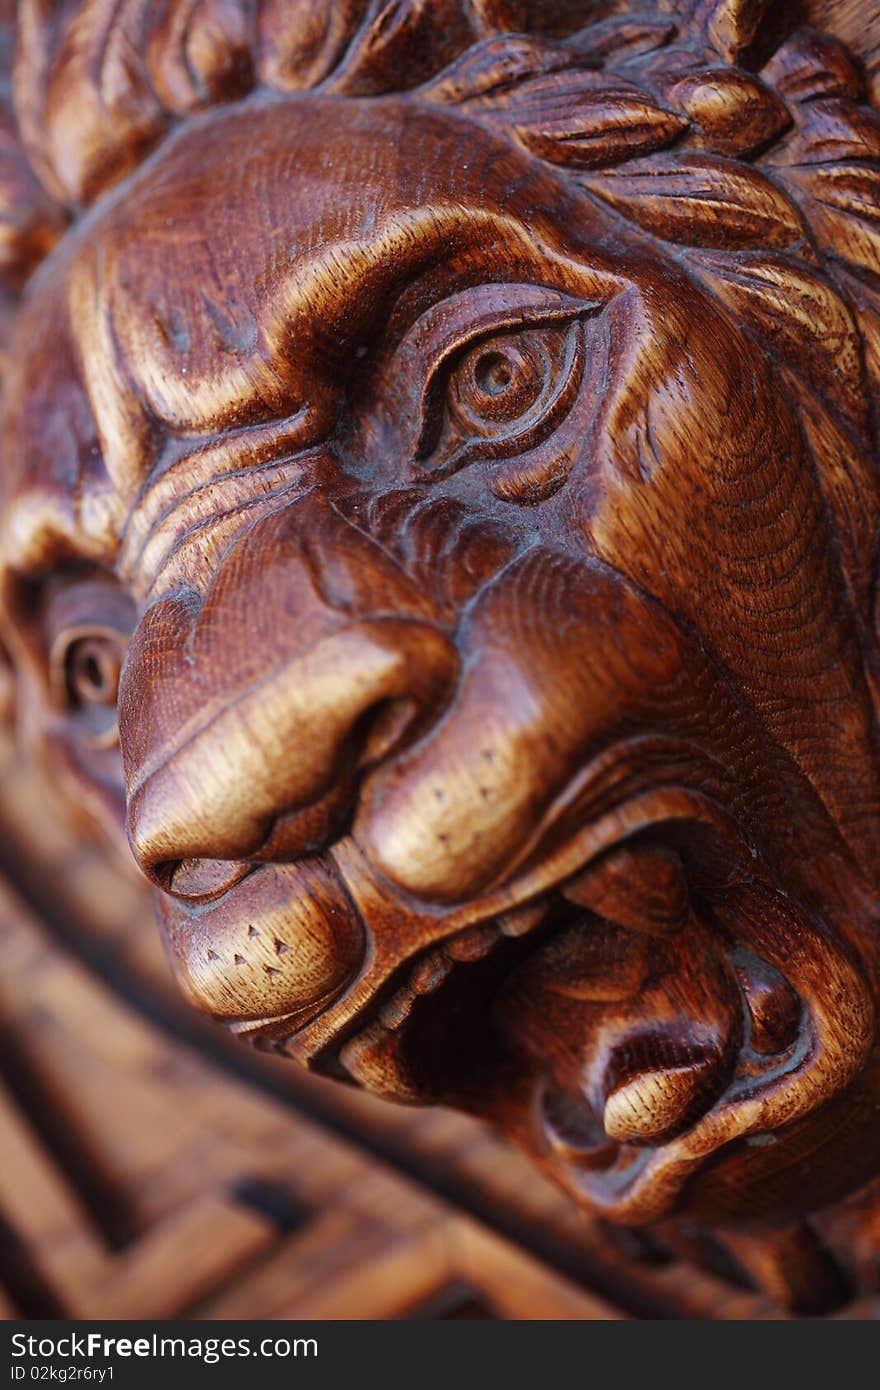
(92,667)
(498,382)
(86,664)
(501,396)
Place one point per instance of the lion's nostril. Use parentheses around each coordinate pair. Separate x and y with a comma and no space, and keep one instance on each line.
(199,879)
(281,748)
(383,728)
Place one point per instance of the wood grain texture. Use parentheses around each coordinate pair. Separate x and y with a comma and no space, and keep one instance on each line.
(126,1119)
(439,534)
(233,1205)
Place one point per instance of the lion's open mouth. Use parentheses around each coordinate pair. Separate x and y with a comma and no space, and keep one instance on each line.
(478,1018)
(430,1036)
(623,1053)
(623,1014)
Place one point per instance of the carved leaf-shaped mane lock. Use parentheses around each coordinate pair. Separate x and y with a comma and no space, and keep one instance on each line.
(600,127)
(810,65)
(830,163)
(585,119)
(493,71)
(799,316)
(729,111)
(830,130)
(622,38)
(856,24)
(400,43)
(701,200)
(563,110)
(843,208)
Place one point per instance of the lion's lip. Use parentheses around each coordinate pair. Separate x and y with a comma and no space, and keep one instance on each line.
(422,975)
(367,1040)
(635,1184)
(365,1032)
(432,1037)
(307,1028)
(646,811)
(630,1181)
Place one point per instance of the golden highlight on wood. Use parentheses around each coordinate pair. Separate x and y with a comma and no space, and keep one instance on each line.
(439,532)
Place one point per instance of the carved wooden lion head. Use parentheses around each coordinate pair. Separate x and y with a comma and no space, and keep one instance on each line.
(447,434)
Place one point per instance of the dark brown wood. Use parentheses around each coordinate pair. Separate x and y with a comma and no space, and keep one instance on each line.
(440,521)
(124,1111)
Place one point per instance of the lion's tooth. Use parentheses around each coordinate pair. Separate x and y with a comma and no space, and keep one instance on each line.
(373,1059)
(430,973)
(521,920)
(473,943)
(396,1009)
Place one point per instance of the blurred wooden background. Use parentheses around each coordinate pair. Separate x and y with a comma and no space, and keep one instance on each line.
(154,1168)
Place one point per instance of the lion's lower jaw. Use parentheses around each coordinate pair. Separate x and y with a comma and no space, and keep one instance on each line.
(757,1108)
(656,1090)
(650,978)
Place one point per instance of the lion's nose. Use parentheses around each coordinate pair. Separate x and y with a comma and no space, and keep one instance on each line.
(270,772)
